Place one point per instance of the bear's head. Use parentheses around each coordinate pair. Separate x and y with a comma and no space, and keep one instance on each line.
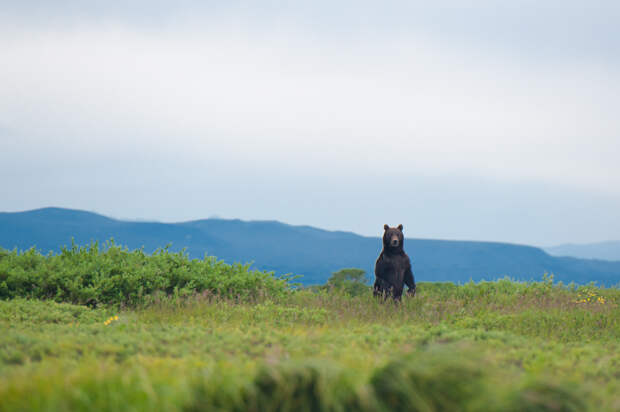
(393,237)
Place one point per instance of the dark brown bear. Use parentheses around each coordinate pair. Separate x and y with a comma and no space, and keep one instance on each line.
(393,268)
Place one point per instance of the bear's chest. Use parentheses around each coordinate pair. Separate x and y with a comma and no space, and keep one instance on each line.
(395,265)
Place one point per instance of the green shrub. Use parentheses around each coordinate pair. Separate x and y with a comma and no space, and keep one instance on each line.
(544,396)
(426,381)
(114,275)
(309,386)
(348,281)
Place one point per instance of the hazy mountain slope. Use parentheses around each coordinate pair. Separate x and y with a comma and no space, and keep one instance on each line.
(601,250)
(305,250)
(51,228)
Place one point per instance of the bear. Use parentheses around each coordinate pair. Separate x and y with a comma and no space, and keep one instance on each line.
(393,267)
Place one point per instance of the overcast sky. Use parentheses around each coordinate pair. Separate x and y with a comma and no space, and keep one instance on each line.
(496,121)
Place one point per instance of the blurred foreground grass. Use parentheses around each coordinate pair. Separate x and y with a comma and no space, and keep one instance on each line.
(487,346)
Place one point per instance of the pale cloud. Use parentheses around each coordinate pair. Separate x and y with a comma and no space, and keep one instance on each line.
(245,95)
(425,105)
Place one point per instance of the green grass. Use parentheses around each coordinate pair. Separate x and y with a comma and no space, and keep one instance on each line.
(476,347)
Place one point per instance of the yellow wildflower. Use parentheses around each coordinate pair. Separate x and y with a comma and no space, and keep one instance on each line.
(110,320)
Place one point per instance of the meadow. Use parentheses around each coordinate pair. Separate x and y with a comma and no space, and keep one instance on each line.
(108,329)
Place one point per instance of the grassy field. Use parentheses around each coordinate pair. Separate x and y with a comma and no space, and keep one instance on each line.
(486,346)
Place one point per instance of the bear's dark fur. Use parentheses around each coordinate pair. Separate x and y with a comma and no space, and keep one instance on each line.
(393,268)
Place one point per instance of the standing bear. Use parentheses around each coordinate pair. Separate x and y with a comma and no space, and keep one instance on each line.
(393,268)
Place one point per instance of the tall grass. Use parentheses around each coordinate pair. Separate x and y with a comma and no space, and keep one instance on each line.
(476,347)
(202,335)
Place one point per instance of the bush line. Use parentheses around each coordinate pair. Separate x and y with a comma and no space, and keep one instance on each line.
(113,275)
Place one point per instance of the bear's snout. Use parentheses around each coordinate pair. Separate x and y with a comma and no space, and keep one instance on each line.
(394,241)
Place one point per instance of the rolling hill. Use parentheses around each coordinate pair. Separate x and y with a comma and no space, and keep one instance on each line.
(601,250)
(305,250)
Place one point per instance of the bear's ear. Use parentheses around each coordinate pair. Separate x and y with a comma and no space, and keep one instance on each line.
(400,227)
(385,227)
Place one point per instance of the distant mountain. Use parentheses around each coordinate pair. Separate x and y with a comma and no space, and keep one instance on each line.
(601,250)
(311,252)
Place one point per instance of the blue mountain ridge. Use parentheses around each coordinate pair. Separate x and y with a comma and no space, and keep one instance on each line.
(304,250)
(609,250)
